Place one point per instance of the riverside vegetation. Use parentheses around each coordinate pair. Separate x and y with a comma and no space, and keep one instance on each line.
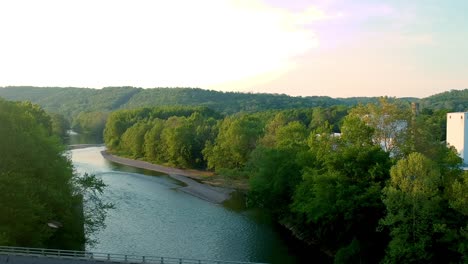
(38,185)
(87,109)
(387,189)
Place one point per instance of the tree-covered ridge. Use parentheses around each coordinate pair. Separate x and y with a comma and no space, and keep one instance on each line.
(71,101)
(224,102)
(86,109)
(454,101)
(38,185)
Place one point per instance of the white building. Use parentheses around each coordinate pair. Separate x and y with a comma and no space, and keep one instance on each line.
(457,133)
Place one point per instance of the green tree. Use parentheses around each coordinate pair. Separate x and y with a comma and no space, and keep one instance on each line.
(154,150)
(338,201)
(60,125)
(42,189)
(204,130)
(90,189)
(177,137)
(36,182)
(237,138)
(91,123)
(458,200)
(413,203)
(292,136)
(274,166)
(390,122)
(271,128)
(133,139)
(333,115)
(422,227)
(274,175)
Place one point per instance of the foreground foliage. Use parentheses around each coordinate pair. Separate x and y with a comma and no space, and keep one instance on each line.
(37,183)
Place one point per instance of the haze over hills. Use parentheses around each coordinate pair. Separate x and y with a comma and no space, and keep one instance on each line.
(71,101)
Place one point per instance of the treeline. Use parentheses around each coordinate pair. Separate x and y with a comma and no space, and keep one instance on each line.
(386,188)
(86,109)
(453,101)
(198,137)
(41,200)
(172,135)
(71,101)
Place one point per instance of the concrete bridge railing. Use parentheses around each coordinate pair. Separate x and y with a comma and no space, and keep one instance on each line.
(106,257)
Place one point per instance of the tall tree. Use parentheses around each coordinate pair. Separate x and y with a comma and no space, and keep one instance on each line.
(338,201)
(133,139)
(91,123)
(37,183)
(60,125)
(422,226)
(154,149)
(35,180)
(237,138)
(390,121)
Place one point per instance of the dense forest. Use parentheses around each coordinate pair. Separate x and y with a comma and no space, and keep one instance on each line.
(71,101)
(454,100)
(87,109)
(38,187)
(364,179)
(365,184)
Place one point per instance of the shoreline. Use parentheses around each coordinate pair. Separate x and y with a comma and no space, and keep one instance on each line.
(80,146)
(203,191)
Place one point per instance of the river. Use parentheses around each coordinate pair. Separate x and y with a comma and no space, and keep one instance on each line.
(152,217)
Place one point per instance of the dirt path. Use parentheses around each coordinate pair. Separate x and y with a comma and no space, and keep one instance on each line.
(202,191)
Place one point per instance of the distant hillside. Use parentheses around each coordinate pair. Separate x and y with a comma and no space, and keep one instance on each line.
(454,100)
(71,101)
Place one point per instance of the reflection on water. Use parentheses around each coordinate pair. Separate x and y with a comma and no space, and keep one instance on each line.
(153,218)
(74,138)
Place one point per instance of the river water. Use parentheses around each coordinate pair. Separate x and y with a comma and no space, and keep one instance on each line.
(152,217)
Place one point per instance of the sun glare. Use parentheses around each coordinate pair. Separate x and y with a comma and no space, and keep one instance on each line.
(147,43)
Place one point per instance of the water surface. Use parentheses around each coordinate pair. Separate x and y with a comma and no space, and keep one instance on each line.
(152,217)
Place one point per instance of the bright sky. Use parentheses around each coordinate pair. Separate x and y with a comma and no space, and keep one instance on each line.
(338,48)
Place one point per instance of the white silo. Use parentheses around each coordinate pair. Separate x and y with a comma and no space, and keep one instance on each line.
(457,133)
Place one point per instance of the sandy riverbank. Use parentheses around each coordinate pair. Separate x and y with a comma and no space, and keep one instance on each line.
(202,191)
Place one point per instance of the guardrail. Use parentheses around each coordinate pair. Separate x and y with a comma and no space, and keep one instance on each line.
(122,258)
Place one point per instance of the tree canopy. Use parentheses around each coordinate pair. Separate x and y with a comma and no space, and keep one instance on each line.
(368,184)
(37,183)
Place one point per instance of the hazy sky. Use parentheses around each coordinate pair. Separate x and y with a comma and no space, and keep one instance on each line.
(338,48)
